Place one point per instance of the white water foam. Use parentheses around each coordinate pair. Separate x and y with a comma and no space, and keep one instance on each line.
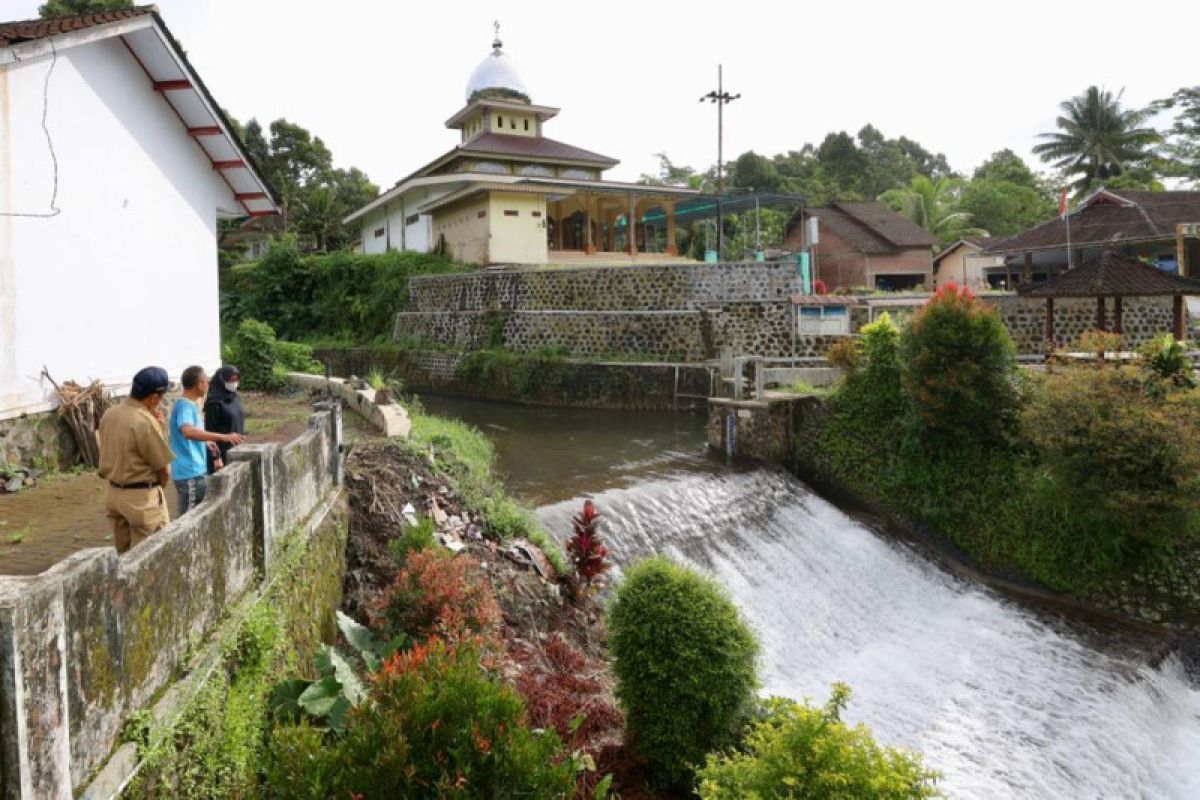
(1003,702)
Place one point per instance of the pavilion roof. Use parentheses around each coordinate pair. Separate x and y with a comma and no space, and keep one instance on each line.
(531,147)
(1112,275)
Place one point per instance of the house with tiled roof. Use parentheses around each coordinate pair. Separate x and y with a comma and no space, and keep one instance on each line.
(115,165)
(509,194)
(1162,227)
(864,245)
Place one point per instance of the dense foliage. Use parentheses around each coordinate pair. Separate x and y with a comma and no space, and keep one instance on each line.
(1127,461)
(958,369)
(797,751)
(437,724)
(264,360)
(685,666)
(66,8)
(437,594)
(1085,475)
(342,296)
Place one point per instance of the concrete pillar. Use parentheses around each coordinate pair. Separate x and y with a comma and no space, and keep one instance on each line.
(1118,315)
(589,245)
(1101,320)
(1177,317)
(558,226)
(1049,322)
(632,226)
(1027,269)
(672,248)
(610,237)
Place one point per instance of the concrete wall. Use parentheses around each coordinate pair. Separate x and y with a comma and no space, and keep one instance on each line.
(519,239)
(397,233)
(465,228)
(94,638)
(88,292)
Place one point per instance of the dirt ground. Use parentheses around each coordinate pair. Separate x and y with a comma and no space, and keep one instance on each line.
(64,513)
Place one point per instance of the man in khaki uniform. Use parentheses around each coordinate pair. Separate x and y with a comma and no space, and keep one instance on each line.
(135,459)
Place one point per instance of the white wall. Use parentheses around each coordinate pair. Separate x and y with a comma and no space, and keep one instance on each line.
(417,237)
(126,274)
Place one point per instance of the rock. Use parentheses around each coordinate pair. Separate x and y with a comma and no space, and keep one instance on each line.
(527,555)
(408,509)
(454,522)
(474,533)
(439,516)
(451,542)
(35,473)
(14,485)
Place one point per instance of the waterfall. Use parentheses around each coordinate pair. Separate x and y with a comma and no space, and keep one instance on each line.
(1005,701)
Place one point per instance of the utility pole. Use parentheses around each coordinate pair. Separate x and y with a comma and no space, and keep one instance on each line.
(722,98)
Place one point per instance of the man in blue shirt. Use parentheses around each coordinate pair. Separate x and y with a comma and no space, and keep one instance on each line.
(188,438)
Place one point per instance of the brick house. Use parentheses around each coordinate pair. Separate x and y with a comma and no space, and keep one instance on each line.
(866,245)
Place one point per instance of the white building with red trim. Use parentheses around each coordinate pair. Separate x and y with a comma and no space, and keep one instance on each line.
(115,165)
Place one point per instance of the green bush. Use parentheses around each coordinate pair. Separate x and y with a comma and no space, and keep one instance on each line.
(413,538)
(263,360)
(1126,460)
(436,725)
(685,666)
(958,365)
(798,751)
(1166,362)
(343,296)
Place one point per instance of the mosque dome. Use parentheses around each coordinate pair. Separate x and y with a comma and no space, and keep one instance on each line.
(498,75)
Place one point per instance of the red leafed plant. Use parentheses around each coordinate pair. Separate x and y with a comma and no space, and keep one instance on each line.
(437,594)
(584,548)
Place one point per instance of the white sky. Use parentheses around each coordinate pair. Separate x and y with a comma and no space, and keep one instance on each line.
(377,80)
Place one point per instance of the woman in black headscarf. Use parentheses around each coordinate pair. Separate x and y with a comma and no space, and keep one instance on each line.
(223,409)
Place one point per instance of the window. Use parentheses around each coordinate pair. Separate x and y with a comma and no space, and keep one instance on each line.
(898,283)
(492,167)
(512,123)
(536,213)
(510,212)
(823,320)
(578,174)
(537,170)
(379,232)
(412,219)
(482,213)
(499,121)
(526,124)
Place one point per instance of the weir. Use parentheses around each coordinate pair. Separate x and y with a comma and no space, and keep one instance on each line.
(1005,700)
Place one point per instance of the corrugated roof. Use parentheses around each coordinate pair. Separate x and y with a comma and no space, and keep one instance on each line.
(1110,218)
(1112,275)
(531,147)
(32,29)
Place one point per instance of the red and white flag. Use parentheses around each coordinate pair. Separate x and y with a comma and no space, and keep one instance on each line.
(1062,205)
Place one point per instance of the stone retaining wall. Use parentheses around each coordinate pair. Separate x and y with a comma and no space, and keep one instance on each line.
(97,636)
(1143,318)
(665,287)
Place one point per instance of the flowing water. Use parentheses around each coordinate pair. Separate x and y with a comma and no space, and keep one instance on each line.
(1004,700)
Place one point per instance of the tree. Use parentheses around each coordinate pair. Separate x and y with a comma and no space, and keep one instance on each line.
(314,194)
(935,206)
(670,174)
(1005,165)
(71,8)
(751,170)
(1183,137)
(1003,208)
(1097,139)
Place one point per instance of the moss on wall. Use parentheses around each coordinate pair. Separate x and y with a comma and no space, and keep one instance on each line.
(211,747)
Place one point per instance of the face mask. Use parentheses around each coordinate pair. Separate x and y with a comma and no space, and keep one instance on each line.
(232,386)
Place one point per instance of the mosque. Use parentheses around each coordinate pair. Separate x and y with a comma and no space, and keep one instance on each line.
(509,194)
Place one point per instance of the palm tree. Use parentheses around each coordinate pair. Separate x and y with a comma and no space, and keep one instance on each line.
(1097,138)
(933,204)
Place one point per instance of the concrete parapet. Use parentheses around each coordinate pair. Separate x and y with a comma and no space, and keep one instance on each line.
(389,418)
(97,636)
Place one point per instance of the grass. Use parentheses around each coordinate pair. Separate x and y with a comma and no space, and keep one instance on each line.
(18,536)
(467,457)
(804,387)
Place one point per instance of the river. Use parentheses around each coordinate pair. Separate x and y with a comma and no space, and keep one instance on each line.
(1007,701)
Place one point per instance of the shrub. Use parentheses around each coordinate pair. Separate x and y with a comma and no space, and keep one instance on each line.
(1166,362)
(685,666)
(845,354)
(437,725)
(345,296)
(1099,342)
(262,359)
(958,367)
(1127,460)
(800,751)
(414,538)
(437,594)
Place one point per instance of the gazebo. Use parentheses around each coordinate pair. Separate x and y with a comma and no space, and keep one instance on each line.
(1116,276)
